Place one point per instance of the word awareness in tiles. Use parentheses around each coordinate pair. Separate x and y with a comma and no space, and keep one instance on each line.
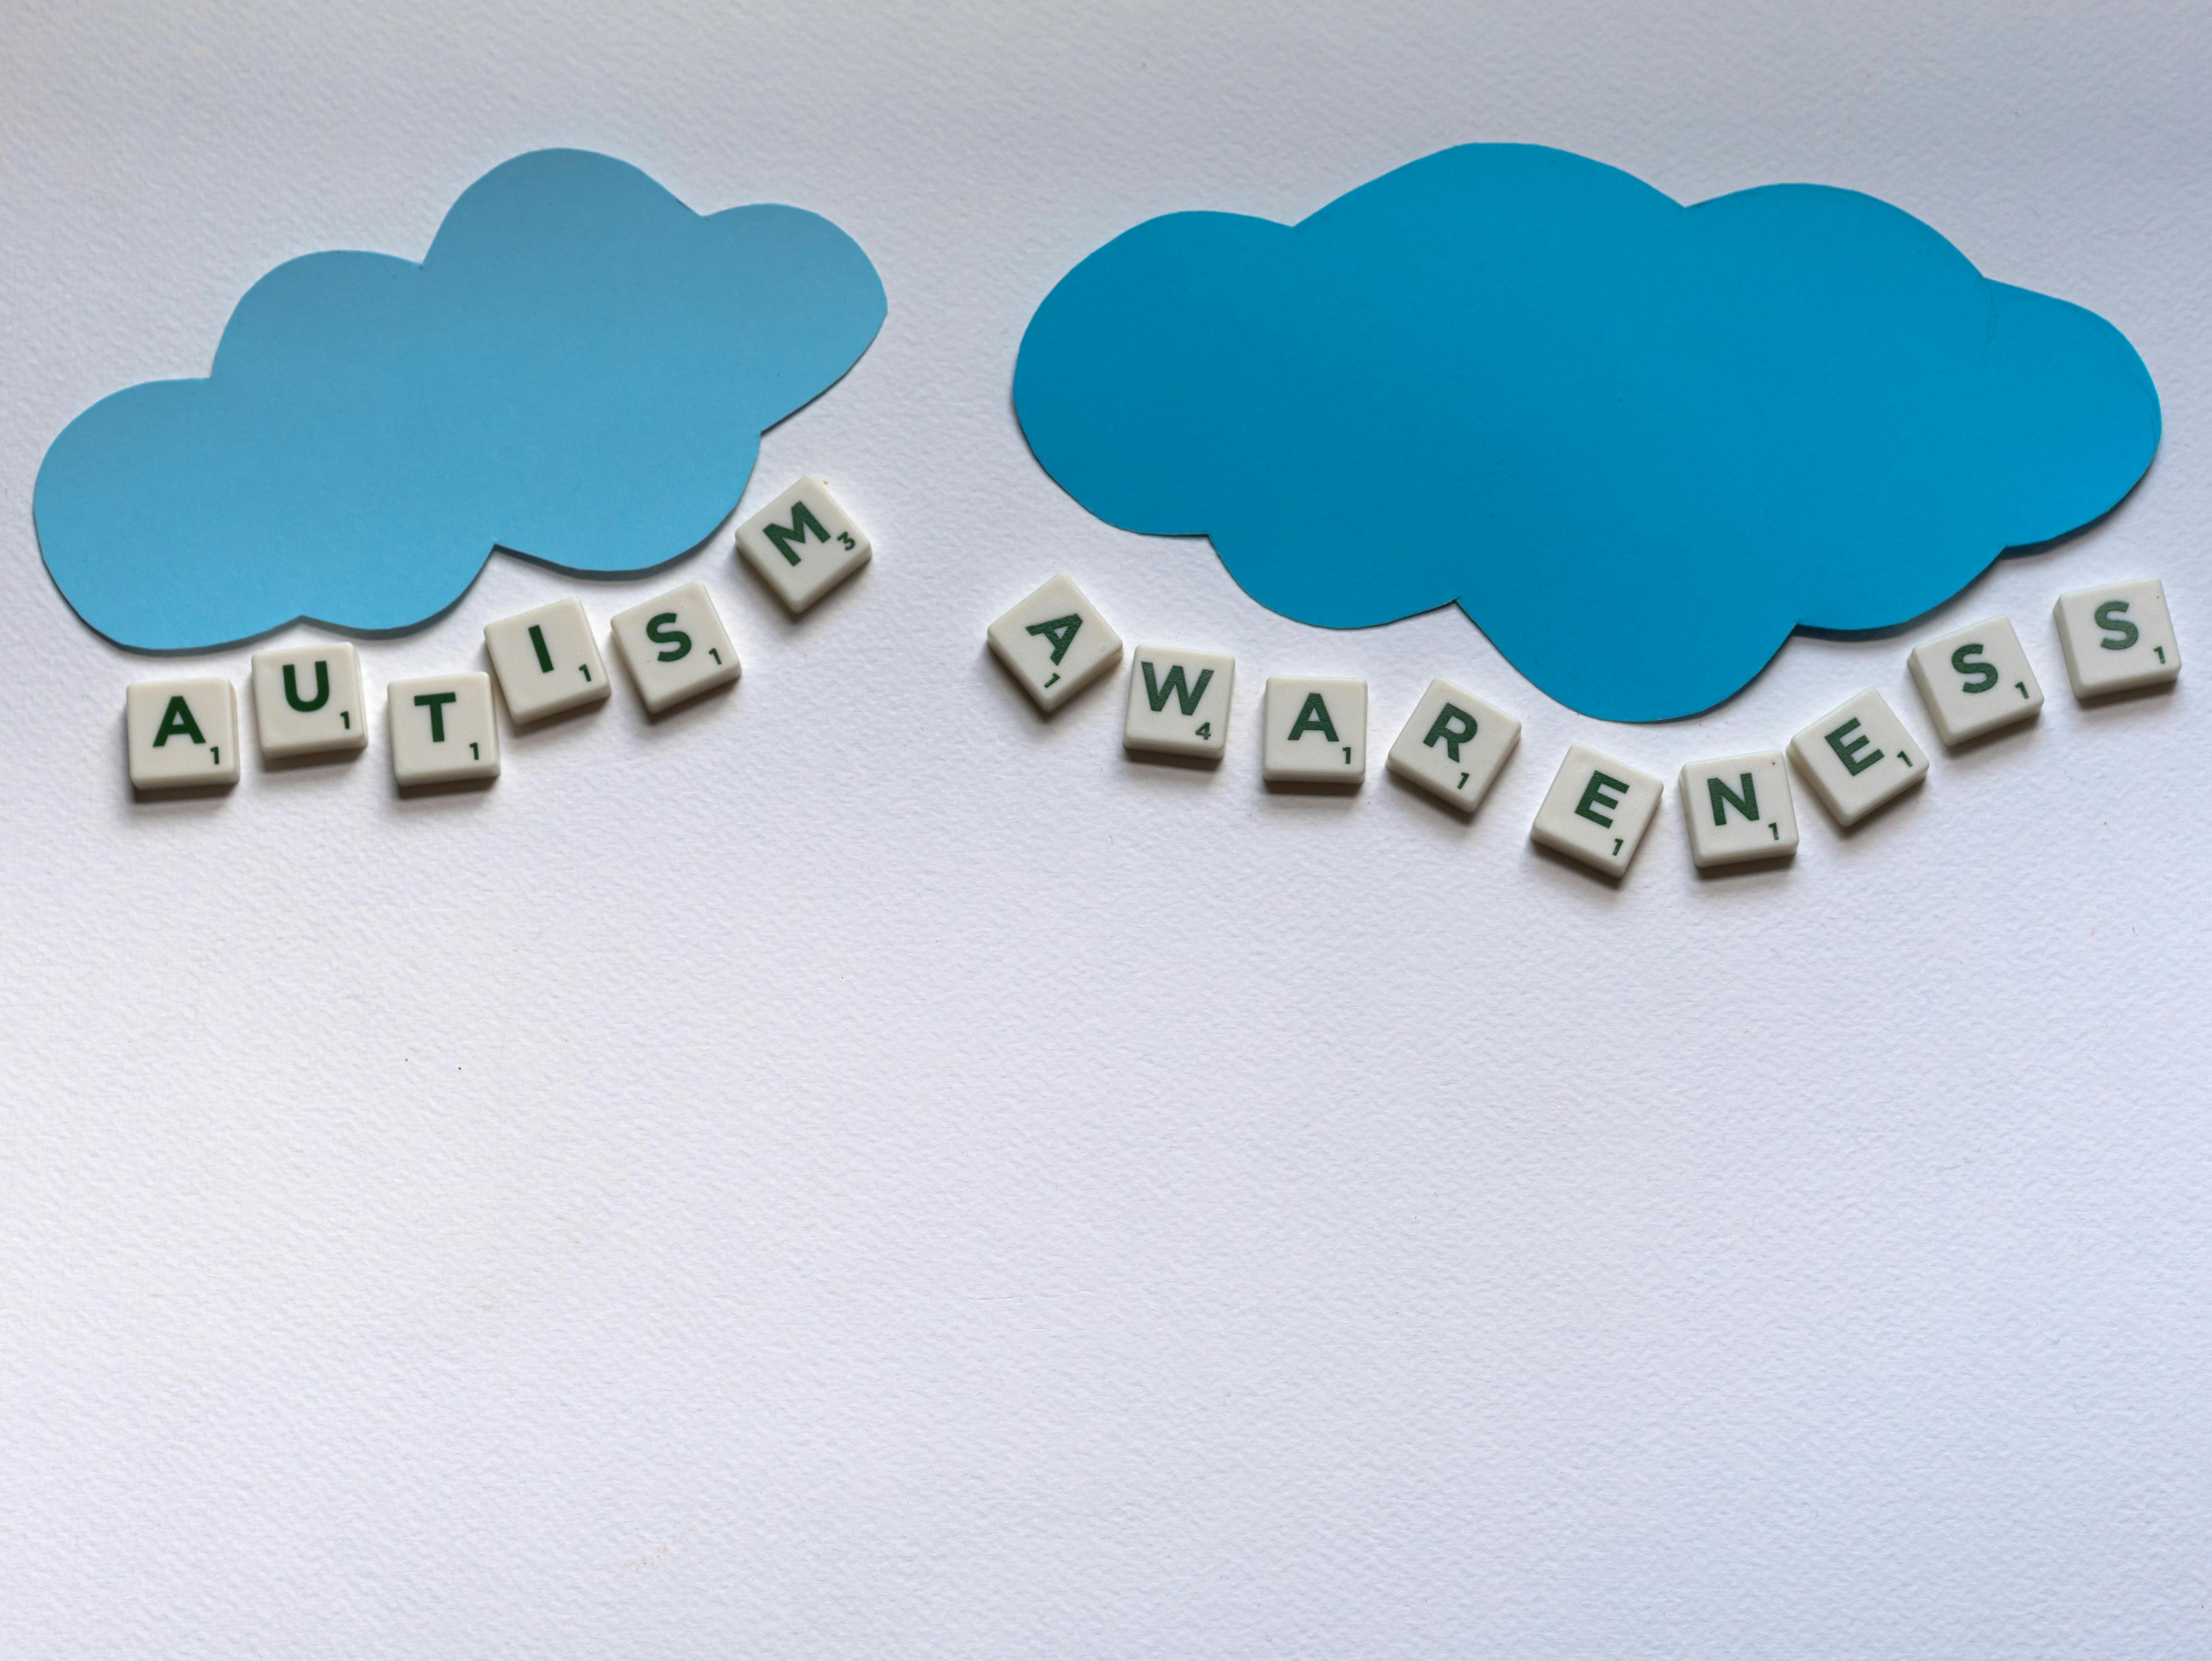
(312,700)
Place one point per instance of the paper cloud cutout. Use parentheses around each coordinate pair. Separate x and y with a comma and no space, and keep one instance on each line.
(580,370)
(1637,443)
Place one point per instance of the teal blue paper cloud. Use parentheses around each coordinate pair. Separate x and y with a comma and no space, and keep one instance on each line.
(580,370)
(1639,443)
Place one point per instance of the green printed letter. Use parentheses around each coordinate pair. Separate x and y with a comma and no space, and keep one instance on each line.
(1060,631)
(306,706)
(802,521)
(1454,726)
(1313,717)
(435,702)
(677,643)
(177,722)
(1723,798)
(1594,797)
(1185,695)
(1854,764)
(1981,674)
(2124,634)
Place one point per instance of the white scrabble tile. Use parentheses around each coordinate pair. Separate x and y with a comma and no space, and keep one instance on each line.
(181,732)
(1314,732)
(307,701)
(547,661)
(676,647)
(1739,809)
(442,729)
(1055,643)
(1179,702)
(1976,680)
(1597,810)
(803,544)
(2117,637)
(1452,745)
(1857,756)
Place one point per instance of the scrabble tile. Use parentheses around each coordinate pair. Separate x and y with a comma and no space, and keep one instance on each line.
(1976,680)
(676,647)
(1857,756)
(803,544)
(1739,809)
(307,701)
(2117,638)
(1055,643)
(1596,811)
(1179,702)
(1314,731)
(1452,745)
(181,732)
(442,729)
(547,661)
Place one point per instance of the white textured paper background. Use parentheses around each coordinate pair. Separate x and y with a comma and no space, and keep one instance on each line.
(856,1169)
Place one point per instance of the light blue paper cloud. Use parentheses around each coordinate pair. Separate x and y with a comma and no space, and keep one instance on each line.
(1638,442)
(580,370)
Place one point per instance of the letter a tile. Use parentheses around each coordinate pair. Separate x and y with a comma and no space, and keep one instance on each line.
(1314,732)
(181,732)
(1055,643)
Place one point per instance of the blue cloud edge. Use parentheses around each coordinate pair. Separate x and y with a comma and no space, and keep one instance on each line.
(187,515)
(1197,353)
